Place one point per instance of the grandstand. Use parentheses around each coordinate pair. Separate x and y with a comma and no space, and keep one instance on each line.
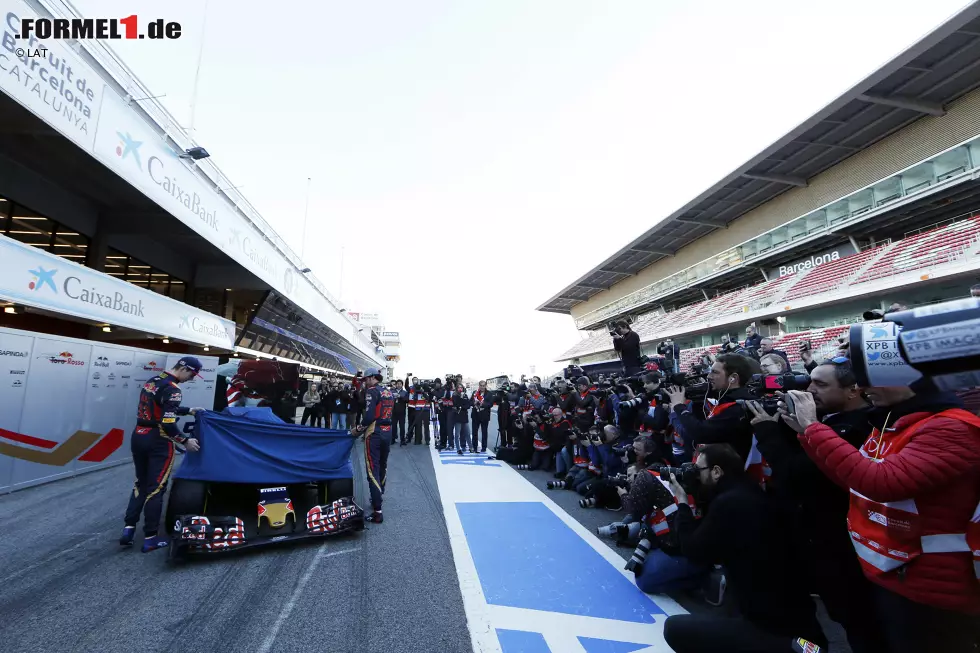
(874,199)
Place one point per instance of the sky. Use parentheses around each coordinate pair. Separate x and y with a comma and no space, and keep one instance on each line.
(468,160)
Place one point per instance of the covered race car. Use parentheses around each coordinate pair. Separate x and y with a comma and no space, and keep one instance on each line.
(258,480)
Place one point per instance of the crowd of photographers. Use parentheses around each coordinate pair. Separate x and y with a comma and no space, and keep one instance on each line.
(740,473)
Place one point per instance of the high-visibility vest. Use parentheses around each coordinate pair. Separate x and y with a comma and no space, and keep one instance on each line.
(658,518)
(888,535)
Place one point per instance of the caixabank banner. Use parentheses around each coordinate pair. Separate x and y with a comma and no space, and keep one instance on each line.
(69,405)
(36,278)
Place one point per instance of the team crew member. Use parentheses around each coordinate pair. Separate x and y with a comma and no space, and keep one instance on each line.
(379,404)
(482,405)
(401,401)
(152,445)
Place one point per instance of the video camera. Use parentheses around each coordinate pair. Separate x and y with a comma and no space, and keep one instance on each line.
(765,386)
(694,382)
(932,347)
(928,348)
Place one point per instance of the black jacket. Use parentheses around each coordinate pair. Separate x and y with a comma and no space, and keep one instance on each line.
(461,405)
(482,412)
(670,352)
(401,400)
(629,349)
(819,506)
(742,530)
(730,423)
(753,343)
(795,478)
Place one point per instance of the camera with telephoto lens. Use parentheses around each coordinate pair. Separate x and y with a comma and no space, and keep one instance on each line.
(642,550)
(688,475)
(626,452)
(621,532)
(765,386)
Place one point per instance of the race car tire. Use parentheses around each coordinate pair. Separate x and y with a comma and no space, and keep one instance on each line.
(336,489)
(186,498)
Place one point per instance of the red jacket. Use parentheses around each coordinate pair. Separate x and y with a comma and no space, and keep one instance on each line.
(940,469)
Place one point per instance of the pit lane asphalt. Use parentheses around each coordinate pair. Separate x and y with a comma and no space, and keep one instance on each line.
(66,585)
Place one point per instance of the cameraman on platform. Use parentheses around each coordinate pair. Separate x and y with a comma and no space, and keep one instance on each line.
(720,420)
(914,496)
(741,530)
(626,342)
(819,506)
(671,352)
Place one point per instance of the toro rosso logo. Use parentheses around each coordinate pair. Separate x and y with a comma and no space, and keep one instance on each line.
(63,358)
(152,367)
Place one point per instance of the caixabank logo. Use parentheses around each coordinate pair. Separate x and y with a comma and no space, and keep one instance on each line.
(41,278)
(84,446)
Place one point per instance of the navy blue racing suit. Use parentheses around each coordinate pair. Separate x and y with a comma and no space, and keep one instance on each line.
(379,405)
(152,446)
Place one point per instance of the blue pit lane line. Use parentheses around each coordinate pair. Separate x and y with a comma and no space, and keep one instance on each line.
(534,580)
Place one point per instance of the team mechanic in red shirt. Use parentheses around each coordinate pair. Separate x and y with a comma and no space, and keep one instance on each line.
(152,444)
(913,518)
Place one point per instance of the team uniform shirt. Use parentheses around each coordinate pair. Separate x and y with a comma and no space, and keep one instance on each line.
(379,405)
(159,408)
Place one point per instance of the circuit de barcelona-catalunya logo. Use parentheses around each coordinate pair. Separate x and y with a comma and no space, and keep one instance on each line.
(43,278)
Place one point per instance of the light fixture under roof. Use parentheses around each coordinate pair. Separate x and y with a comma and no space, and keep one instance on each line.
(166,341)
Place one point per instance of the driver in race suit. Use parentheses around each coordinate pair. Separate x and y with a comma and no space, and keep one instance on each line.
(379,404)
(152,445)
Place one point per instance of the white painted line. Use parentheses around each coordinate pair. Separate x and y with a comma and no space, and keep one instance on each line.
(300,586)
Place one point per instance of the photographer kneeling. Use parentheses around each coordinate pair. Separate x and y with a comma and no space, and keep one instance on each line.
(741,530)
(914,506)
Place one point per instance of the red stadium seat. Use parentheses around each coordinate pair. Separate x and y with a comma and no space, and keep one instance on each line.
(941,245)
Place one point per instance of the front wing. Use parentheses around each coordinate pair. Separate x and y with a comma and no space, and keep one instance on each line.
(217,534)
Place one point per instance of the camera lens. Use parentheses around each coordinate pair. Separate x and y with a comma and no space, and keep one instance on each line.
(639,556)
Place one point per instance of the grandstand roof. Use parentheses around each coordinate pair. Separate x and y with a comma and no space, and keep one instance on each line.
(937,70)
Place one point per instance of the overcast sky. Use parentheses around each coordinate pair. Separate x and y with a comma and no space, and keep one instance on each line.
(473,158)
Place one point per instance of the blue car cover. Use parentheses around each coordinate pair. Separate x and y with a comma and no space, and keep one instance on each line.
(252,445)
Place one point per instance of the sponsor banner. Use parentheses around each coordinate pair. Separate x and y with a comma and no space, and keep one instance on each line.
(15,363)
(36,278)
(73,407)
(137,153)
(390,334)
(55,85)
(110,399)
(53,408)
(828,256)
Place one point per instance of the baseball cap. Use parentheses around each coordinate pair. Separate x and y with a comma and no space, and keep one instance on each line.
(190,363)
(373,371)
